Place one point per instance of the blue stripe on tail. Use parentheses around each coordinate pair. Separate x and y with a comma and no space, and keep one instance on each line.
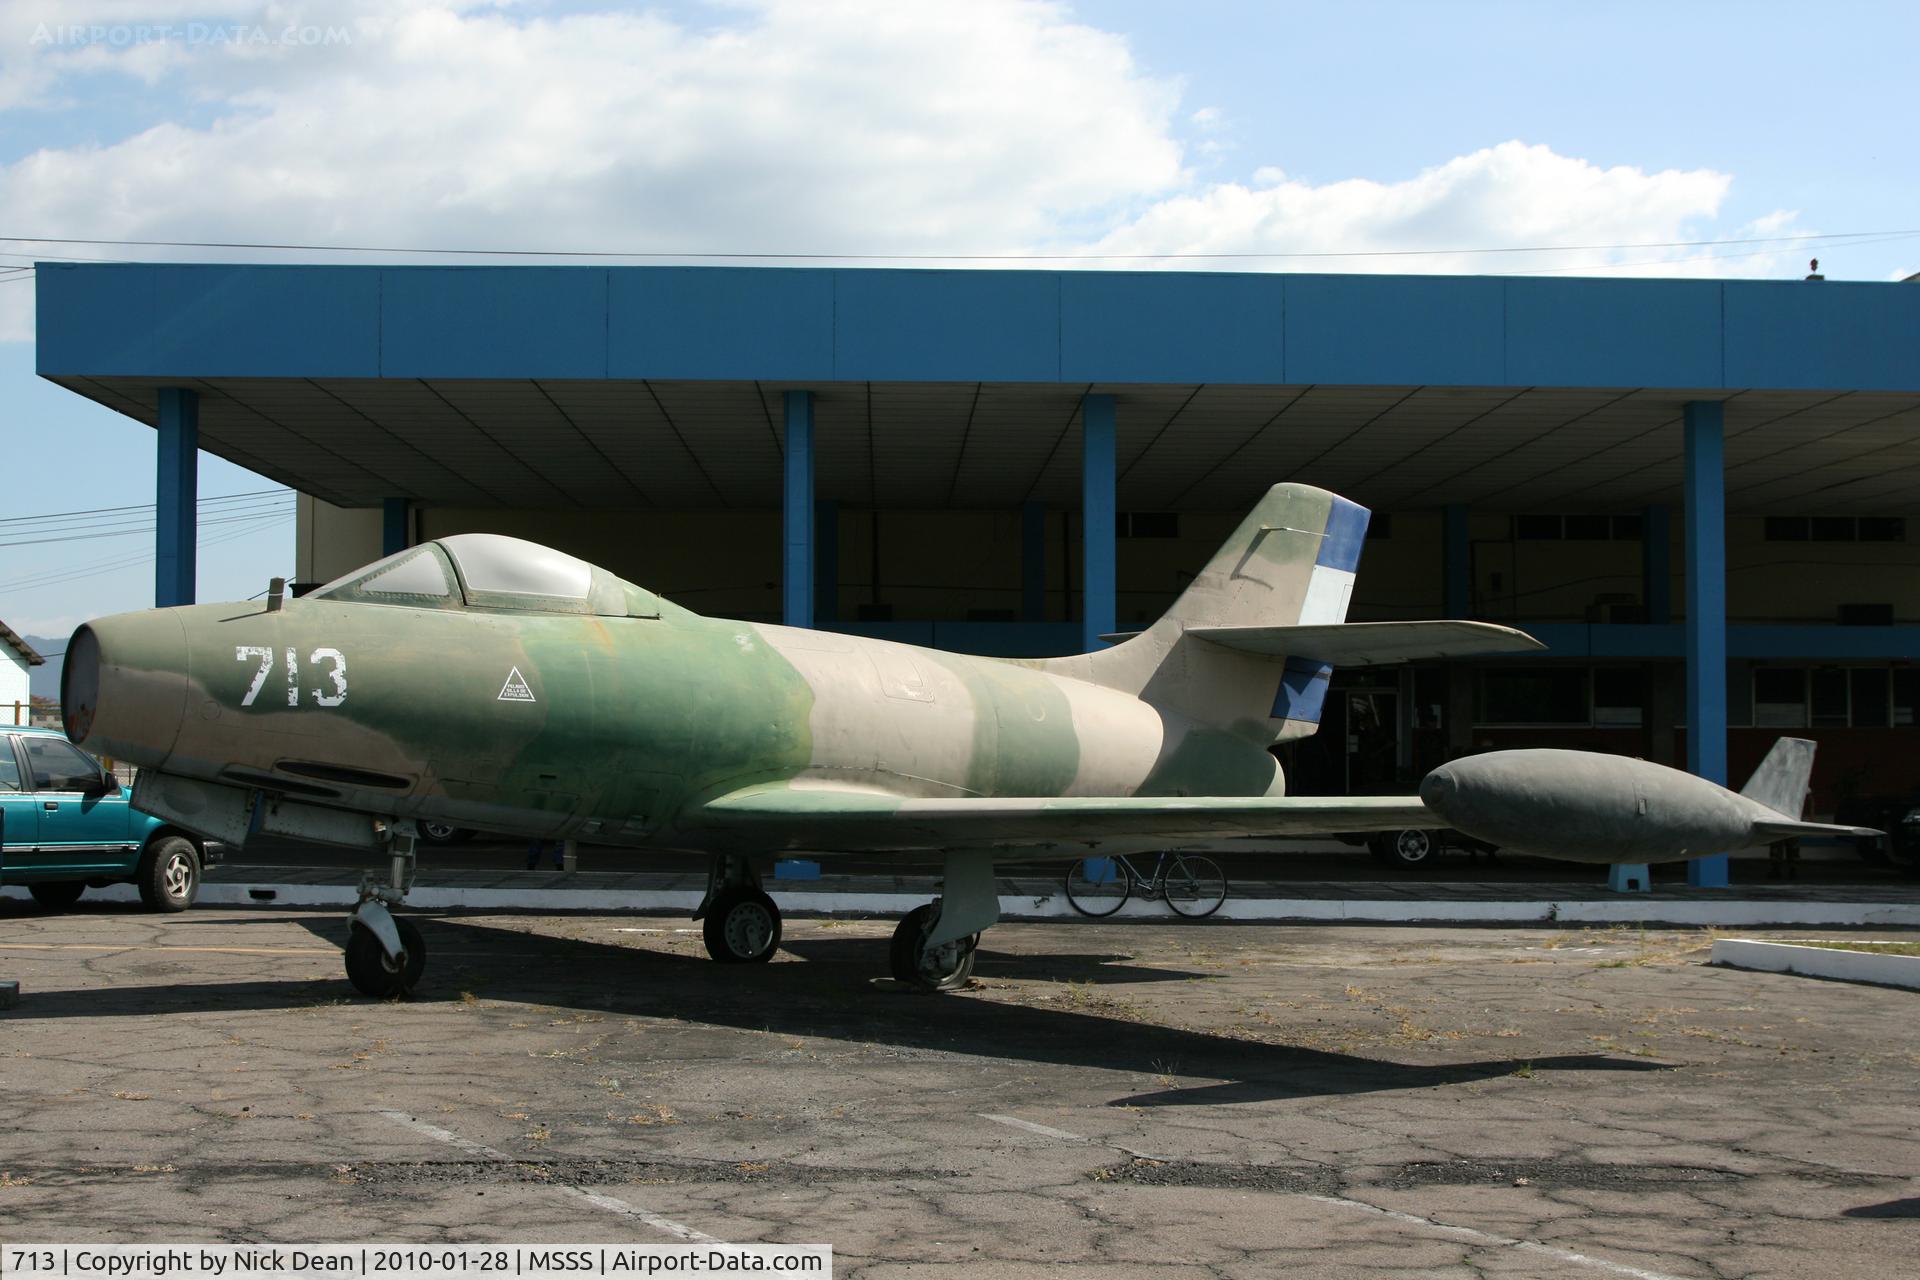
(1303,690)
(1346,535)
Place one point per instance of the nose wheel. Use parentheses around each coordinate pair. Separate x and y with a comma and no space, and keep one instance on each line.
(376,972)
(386,955)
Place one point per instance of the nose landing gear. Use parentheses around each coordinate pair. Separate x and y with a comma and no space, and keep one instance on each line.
(386,955)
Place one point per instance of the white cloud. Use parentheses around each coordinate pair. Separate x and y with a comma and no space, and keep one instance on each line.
(850,126)
(1510,195)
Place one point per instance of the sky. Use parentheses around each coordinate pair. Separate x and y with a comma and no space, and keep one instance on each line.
(1605,138)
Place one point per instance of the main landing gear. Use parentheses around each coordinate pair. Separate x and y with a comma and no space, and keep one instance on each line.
(385,953)
(739,922)
(932,949)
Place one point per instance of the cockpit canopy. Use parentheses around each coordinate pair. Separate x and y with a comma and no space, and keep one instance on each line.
(493,572)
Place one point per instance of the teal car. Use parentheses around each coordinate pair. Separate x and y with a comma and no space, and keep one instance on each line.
(65,825)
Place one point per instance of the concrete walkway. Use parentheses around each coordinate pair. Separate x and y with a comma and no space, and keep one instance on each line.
(1030,898)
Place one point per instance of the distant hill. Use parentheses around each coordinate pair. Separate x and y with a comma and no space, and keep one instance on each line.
(44,681)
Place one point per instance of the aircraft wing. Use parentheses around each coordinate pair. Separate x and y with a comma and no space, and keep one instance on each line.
(845,820)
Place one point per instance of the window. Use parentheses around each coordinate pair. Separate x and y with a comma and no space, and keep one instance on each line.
(1780,697)
(1906,698)
(9,767)
(58,765)
(1619,696)
(1836,529)
(1577,528)
(1539,695)
(1147,524)
(1870,697)
(491,562)
(1828,687)
(1537,528)
(418,575)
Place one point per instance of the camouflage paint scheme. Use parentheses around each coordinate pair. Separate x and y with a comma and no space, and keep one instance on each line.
(495,683)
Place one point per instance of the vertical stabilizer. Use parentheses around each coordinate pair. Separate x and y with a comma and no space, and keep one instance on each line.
(1783,778)
(1290,562)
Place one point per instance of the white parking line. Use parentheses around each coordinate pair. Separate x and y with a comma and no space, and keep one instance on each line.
(1041,1129)
(1482,1237)
(598,1199)
(1464,1233)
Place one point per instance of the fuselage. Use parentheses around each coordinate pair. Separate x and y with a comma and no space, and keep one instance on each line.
(610,728)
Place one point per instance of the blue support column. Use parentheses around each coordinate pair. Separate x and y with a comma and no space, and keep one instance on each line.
(1656,562)
(1033,562)
(1097,502)
(177,498)
(396,526)
(1457,558)
(797,515)
(826,561)
(1706,646)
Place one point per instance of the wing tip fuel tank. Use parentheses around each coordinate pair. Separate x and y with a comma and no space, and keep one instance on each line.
(1579,806)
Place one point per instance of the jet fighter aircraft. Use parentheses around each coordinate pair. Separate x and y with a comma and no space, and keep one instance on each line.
(496,683)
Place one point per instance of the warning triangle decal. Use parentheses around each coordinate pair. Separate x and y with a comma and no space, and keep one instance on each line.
(515,689)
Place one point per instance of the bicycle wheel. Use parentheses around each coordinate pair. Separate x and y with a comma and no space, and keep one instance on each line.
(1194,885)
(1098,886)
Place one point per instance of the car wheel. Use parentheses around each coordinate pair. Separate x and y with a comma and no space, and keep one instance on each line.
(169,874)
(1411,848)
(57,895)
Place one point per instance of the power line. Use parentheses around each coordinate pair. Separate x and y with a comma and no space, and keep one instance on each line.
(951,257)
(58,577)
(104,511)
(132,530)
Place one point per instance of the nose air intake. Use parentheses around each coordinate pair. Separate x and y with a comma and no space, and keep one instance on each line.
(80,684)
(123,691)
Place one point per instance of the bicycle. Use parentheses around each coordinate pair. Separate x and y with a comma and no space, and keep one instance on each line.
(1191,884)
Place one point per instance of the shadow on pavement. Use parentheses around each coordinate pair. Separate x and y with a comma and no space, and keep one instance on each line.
(831,995)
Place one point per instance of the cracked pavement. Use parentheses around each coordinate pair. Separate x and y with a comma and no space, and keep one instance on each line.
(1106,1099)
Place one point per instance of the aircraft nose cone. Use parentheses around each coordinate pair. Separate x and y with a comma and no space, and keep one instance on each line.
(123,691)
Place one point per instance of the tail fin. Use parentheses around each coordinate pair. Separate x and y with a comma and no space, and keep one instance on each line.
(1291,562)
(1251,642)
(1783,778)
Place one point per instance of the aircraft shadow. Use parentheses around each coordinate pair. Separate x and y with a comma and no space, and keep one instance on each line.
(833,995)
(1100,970)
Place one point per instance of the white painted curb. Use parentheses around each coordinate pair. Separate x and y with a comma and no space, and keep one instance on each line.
(1628,909)
(1817,962)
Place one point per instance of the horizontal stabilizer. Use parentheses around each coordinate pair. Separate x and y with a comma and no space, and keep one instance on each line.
(1367,644)
(1770,831)
(850,821)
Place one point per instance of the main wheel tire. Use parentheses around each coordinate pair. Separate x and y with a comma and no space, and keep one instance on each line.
(169,874)
(945,968)
(1195,886)
(57,895)
(742,927)
(1098,886)
(376,974)
(443,833)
